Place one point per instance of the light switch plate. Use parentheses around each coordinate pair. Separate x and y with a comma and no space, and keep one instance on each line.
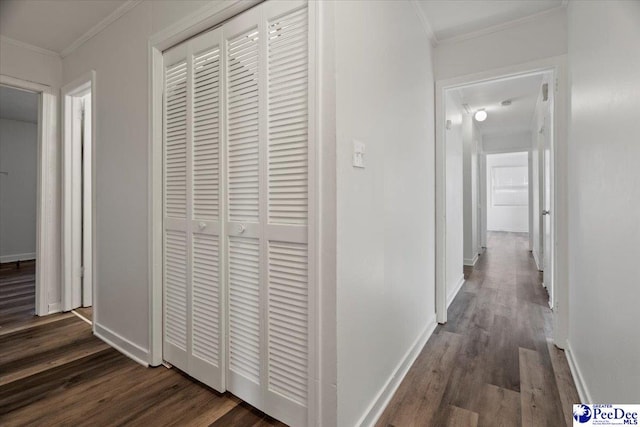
(358,154)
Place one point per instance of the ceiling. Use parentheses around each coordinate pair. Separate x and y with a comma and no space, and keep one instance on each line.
(52,25)
(523,93)
(18,104)
(454,18)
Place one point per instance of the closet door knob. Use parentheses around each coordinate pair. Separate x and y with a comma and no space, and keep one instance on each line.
(241,229)
(202,225)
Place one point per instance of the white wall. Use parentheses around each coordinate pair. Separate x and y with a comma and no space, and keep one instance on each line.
(18,157)
(506,142)
(454,195)
(385,212)
(514,218)
(542,37)
(604,203)
(28,64)
(119,55)
(470,191)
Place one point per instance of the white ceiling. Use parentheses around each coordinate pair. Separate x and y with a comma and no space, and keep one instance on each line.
(18,104)
(52,24)
(523,93)
(454,18)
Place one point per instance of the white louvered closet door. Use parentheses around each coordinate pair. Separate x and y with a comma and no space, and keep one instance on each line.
(267,179)
(236,223)
(193,297)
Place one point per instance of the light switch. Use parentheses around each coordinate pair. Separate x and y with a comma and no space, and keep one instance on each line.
(358,154)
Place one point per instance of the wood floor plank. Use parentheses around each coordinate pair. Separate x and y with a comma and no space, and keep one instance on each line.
(564,380)
(458,417)
(501,308)
(418,398)
(538,392)
(498,407)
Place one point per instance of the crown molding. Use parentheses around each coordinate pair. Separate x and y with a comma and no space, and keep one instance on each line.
(112,17)
(18,43)
(503,26)
(426,26)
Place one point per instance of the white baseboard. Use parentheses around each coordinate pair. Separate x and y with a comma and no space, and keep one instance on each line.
(451,295)
(536,258)
(18,257)
(379,404)
(123,345)
(55,307)
(581,386)
(471,262)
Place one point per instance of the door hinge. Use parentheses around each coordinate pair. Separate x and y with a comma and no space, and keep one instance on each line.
(81,271)
(556,86)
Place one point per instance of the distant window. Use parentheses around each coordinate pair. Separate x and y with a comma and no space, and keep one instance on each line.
(509,186)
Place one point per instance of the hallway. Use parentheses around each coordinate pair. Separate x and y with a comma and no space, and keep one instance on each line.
(493,363)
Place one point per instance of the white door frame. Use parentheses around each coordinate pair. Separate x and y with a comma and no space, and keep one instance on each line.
(47,183)
(208,17)
(72,198)
(556,65)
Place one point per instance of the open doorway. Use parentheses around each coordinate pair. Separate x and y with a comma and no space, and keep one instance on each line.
(43,279)
(78,137)
(495,174)
(18,202)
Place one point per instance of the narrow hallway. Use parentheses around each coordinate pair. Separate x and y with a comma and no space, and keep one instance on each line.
(493,363)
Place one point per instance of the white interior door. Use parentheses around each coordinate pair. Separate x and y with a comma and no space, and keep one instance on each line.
(193,293)
(267,149)
(236,147)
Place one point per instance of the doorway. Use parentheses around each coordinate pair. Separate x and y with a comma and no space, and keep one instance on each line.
(45,272)
(533,135)
(78,141)
(18,202)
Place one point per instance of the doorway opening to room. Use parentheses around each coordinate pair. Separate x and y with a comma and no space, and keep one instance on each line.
(78,137)
(495,142)
(18,202)
(28,287)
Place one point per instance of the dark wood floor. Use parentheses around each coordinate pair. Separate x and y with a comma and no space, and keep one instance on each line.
(17,293)
(53,371)
(492,363)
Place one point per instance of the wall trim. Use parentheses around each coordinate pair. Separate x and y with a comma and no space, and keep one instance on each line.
(123,345)
(471,262)
(18,257)
(384,395)
(454,292)
(54,307)
(536,258)
(112,17)
(426,25)
(500,27)
(36,49)
(578,378)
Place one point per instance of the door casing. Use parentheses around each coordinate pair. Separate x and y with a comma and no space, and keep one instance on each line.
(559,227)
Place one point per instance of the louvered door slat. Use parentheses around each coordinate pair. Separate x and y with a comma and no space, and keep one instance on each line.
(288,74)
(206,141)
(206,298)
(288,313)
(244,300)
(242,127)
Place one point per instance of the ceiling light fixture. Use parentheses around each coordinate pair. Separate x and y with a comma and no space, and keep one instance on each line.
(481,115)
